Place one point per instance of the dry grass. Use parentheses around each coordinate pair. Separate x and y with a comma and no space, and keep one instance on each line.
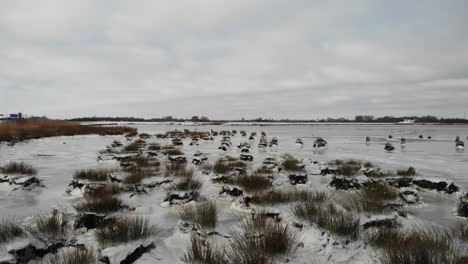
(261,242)
(264,170)
(154,146)
(101,204)
(203,215)
(409,172)
(186,184)
(281,196)
(92,175)
(462,209)
(135,145)
(347,167)
(73,256)
(173,151)
(292,164)
(14,167)
(461,230)
(201,251)
(51,226)
(328,217)
(430,244)
(9,230)
(125,230)
(178,169)
(223,166)
(136,175)
(373,197)
(24,129)
(250,183)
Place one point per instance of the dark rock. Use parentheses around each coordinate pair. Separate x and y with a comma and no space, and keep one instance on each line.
(246,157)
(30,252)
(440,186)
(114,179)
(409,196)
(326,171)
(400,182)
(341,183)
(297,179)
(388,223)
(231,191)
(91,221)
(389,147)
(175,198)
(137,253)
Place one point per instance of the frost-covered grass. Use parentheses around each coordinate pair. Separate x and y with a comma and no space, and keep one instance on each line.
(125,230)
(428,244)
(186,184)
(202,251)
(103,204)
(73,256)
(292,164)
(203,215)
(9,230)
(328,217)
(14,167)
(49,226)
(373,197)
(261,241)
(286,196)
(24,129)
(250,183)
(92,174)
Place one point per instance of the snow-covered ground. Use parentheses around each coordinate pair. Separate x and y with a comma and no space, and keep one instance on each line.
(57,158)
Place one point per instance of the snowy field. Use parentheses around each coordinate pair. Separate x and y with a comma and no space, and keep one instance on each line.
(58,158)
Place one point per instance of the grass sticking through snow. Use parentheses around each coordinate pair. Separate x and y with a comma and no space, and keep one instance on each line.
(203,215)
(125,230)
(92,175)
(9,230)
(14,167)
(73,256)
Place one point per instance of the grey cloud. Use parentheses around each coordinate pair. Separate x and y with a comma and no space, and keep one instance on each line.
(231,59)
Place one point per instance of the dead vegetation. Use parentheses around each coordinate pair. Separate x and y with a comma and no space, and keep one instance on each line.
(328,217)
(347,167)
(48,226)
(202,215)
(250,183)
(292,164)
(228,164)
(202,251)
(125,230)
(178,169)
(101,204)
(186,184)
(427,244)
(73,256)
(33,128)
(374,197)
(14,167)
(9,230)
(409,172)
(98,175)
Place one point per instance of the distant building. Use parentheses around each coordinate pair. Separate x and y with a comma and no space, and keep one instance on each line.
(16,115)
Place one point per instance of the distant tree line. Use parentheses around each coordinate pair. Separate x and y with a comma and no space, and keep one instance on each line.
(359,118)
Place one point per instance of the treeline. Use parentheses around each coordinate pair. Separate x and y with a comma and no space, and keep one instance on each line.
(359,119)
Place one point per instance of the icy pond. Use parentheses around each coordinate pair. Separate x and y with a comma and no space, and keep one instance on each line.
(58,158)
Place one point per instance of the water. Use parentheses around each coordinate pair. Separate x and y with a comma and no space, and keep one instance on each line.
(57,158)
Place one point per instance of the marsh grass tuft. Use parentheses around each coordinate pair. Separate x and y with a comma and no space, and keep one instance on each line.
(92,175)
(73,256)
(52,226)
(292,164)
(428,244)
(125,230)
(373,197)
(202,251)
(250,183)
(328,217)
(186,184)
(203,215)
(101,204)
(14,167)
(9,230)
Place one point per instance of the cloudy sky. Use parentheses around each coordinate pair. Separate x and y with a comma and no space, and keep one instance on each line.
(234,58)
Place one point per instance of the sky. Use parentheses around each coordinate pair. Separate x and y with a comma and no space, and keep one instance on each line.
(228,59)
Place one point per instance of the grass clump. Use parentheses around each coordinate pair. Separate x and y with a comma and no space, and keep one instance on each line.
(281,196)
(136,175)
(154,146)
(250,183)
(461,230)
(261,242)
(14,167)
(430,244)
(52,226)
(347,167)
(178,169)
(373,197)
(101,204)
(73,256)
(409,172)
(9,230)
(328,217)
(223,166)
(125,230)
(292,164)
(202,251)
(132,133)
(135,145)
(203,215)
(174,152)
(91,175)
